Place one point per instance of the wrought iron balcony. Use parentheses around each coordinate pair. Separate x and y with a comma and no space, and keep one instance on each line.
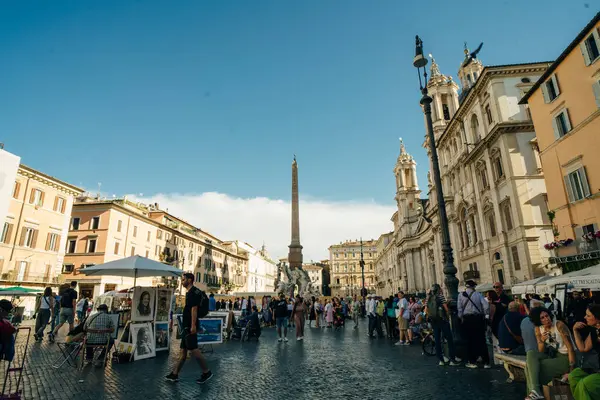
(467,275)
(579,250)
(13,276)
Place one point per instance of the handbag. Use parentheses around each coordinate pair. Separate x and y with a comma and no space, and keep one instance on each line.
(589,362)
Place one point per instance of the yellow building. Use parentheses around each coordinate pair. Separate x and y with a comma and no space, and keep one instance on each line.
(564,104)
(34,234)
(346,274)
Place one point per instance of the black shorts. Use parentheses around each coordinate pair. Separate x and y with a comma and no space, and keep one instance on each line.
(189,341)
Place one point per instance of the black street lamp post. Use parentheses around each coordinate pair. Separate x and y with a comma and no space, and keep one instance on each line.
(363,291)
(447,258)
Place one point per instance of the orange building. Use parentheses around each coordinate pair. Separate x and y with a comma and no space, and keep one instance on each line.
(564,105)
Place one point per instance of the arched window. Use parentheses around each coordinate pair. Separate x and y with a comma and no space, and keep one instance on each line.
(475,128)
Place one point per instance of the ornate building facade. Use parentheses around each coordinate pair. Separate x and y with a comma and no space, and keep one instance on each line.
(492,179)
(346,274)
(491,174)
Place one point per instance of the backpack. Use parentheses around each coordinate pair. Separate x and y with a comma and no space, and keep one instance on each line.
(66,299)
(435,311)
(203,307)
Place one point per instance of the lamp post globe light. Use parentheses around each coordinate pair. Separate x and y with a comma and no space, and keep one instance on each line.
(450,270)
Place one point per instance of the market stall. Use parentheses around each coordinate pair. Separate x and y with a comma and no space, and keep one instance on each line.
(15,293)
(588,278)
(144,311)
(530,286)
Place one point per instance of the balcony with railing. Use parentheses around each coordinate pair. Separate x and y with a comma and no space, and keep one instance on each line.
(471,275)
(579,250)
(13,276)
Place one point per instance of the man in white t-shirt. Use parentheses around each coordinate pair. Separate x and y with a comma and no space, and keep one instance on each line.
(403,318)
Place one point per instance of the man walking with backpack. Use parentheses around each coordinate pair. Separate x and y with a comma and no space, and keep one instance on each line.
(437,311)
(196,306)
(67,309)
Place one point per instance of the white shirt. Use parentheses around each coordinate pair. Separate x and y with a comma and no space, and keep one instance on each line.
(371,307)
(403,306)
(79,305)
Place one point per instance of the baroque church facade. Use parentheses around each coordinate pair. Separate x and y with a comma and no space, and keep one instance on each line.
(492,180)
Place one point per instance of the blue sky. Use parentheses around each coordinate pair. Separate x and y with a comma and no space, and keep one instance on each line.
(217,96)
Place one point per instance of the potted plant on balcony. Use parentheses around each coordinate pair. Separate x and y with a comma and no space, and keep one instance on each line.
(552,246)
(591,236)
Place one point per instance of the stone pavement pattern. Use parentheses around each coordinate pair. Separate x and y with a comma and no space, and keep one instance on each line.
(327,364)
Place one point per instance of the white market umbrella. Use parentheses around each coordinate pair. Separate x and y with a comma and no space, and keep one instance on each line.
(133,267)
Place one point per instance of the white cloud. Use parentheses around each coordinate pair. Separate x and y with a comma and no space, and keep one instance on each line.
(259,219)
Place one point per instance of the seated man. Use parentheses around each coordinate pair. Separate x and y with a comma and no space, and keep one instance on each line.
(254,322)
(510,338)
(100,321)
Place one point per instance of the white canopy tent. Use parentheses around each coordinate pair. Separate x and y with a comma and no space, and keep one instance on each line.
(529,286)
(588,278)
(133,267)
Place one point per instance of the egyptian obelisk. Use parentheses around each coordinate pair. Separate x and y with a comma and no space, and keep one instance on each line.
(295,254)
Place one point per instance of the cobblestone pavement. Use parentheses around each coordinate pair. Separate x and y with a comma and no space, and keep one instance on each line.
(343,364)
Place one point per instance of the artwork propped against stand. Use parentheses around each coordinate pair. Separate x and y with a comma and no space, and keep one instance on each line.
(143,304)
(126,345)
(161,334)
(143,339)
(163,305)
(211,331)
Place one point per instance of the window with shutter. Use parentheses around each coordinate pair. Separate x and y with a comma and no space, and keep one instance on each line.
(577,185)
(515,256)
(596,89)
(561,124)
(5,236)
(590,48)
(16,189)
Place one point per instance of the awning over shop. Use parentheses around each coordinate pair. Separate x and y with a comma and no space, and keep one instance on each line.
(529,286)
(588,278)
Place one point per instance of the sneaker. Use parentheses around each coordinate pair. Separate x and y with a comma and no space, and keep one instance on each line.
(279,340)
(469,365)
(172,377)
(285,339)
(298,339)
(533,395)
(454,363)
(204,378)
(399,343)
(456,359)
(446,359)
(406,343)
(487,366)
(441,364)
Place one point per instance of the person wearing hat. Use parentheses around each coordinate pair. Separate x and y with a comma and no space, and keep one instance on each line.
(103,323)
(472,311)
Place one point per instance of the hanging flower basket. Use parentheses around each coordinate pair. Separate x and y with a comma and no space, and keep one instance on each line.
(591,236)
(557,244)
